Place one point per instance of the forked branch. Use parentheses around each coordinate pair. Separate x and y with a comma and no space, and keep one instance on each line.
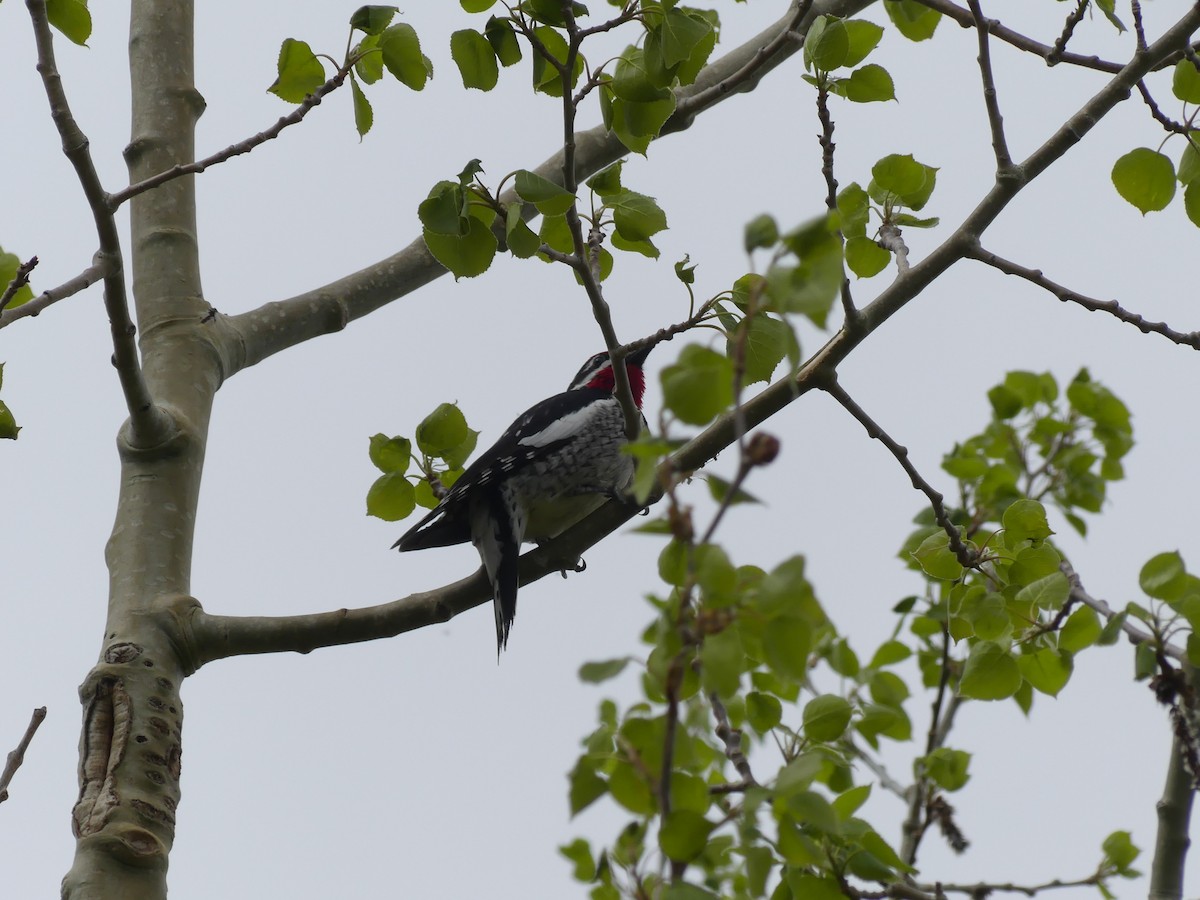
(148,423)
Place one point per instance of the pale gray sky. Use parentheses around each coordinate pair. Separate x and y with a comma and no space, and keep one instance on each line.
(417,766)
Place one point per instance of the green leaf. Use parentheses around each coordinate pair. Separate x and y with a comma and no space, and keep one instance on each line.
(865,257)
(1145,178)
(630,790)
(636,124)
(1047,670)
(363,115)
(596,672)
(683,834)
(585,786)
(1081,630)
(808,886)
(786,644)
(372,19)
(390,454)
(477,6)
(760,232)
(1185,83)
(368,65)
(1191,202)
(465,255)
(864,36)
(826,717)
(391,497)
(519,237)
(848,802)
(442,430)
(636,216)
(990,673)
(455,456)
(681,31)
(546,78)
(719,488)
(763,711)
(550,199)
(853,206)
(300,72)
(827,44)
(948,768)
(767,341)
(580,854)
(1120,851)
(475,58)
(1189,161)
(889,653)
(1048,592)
(901,177)
(683,890)
(698,386)
(914,20)
(1025,520)
(722,661)
(870,84)
(402,56)
(502,37)
(72,18)
(936,558)
(1164,576)
(8,425)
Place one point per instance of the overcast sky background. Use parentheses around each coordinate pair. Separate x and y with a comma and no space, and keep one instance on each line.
(417,766)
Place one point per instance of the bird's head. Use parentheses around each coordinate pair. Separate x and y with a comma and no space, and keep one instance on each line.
(597,372)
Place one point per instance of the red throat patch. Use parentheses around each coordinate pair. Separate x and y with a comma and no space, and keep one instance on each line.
(637,381)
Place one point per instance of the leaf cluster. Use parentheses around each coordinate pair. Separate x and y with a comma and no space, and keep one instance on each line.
(444,442)
(382,48)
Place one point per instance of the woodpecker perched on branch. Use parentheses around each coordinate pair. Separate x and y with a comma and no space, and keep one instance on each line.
(560,460)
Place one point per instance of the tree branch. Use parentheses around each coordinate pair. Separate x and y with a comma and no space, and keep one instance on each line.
(995,120)
(1135,634)
(82,281)
(19,281)
(17,756)
(1052,55)
(966,557)
(311,102)
(148,424)
(1174,817)
(253,336)
(216,637)
(1066,295)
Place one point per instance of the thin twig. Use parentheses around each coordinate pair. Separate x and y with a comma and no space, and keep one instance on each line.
(885,779)
(1162,118)
(83,280)
(1021,41)
(1135,634)
(148,424)
(1035,276)
(825,138)
(732,738)
(17,756)
(297,115)
(19,281)
(990,99)
(967,557)
(1060,45)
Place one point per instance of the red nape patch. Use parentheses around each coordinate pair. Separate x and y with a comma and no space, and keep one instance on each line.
(637,381)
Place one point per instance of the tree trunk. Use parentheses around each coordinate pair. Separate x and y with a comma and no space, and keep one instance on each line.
(131,745)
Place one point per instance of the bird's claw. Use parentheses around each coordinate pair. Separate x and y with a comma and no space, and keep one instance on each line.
(580,566)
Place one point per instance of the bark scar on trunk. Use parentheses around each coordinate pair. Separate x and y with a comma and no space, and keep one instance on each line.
(105,736)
